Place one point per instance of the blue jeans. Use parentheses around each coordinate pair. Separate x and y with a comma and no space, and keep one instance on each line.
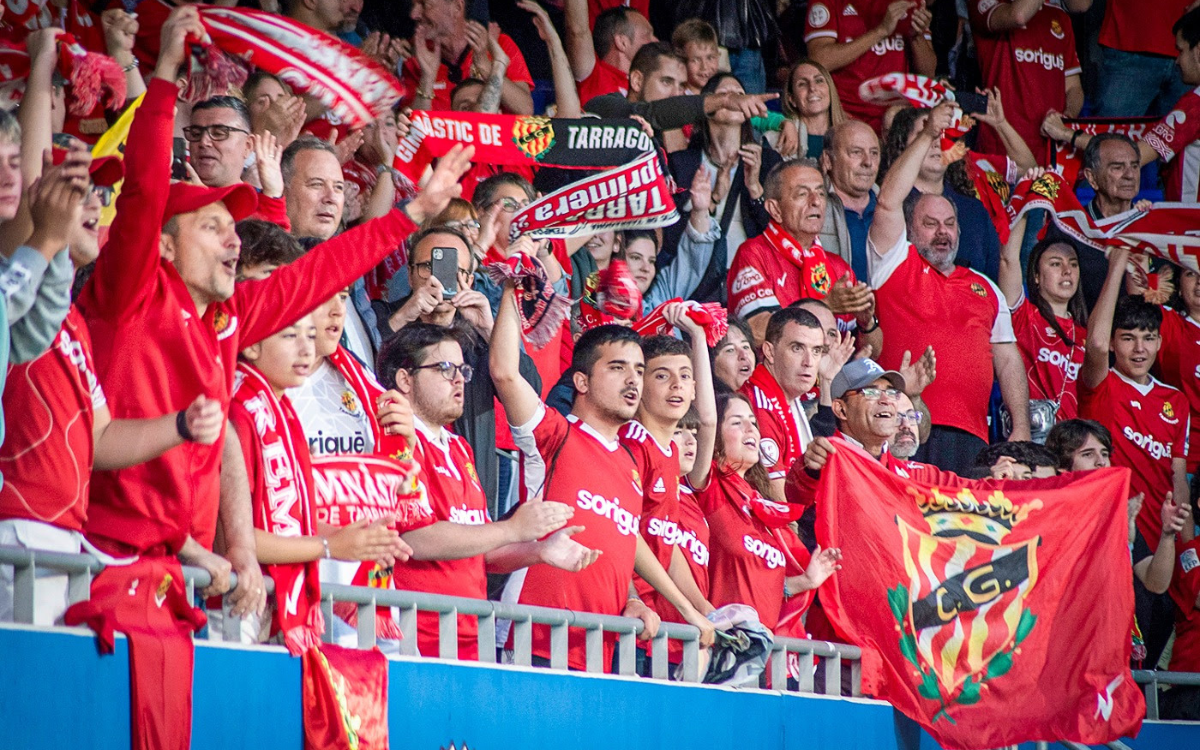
(747,65)
(1132,85)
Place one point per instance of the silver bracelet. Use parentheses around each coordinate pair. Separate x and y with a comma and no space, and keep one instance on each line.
(324,541)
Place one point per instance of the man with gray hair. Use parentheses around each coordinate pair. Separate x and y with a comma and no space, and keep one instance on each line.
(926,300)
(851,159)
(786,262)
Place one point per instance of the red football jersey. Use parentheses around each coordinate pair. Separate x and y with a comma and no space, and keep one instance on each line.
(776,420)
(1185,587)
(448,472)
(960,315)
(746,565)
(760,279)
(1138,26)
(49,413)
(1029,65)
(1176,138)
(600,480)
(144,324)
(1053,366)
(658,469)
(410,74)
(1149,426)
(604,79)
(596,7)
(1179,366)
(690,534)
(847,20)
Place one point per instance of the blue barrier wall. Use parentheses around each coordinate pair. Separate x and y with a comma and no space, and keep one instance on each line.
(56,691)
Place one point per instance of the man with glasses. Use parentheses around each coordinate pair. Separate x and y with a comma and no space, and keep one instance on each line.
(425,363)
(469,314)
(219,147)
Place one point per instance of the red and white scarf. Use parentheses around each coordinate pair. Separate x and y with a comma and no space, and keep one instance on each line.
(812,262)
(764,380)
(368,390)
(710,316)
(771,513)
(283,506)
(92,78)
(540,308)
(356,88)
(922,93)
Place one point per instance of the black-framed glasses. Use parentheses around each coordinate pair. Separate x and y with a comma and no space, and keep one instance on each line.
(449,370)
(104,193)
(912,417)
(193,133)
(509,205)
(425,270)
(873,393)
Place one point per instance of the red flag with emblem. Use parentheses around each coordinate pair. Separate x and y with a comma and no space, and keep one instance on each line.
(345,698)
(992,613)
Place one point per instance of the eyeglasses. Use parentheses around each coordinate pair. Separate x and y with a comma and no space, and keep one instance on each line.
(104,193)
(912,417)
(193,133)
(510,205)
(449,370)
(470,224)
(874,393)
(425,270)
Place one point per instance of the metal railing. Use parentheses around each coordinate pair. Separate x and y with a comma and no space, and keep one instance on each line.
(1150,679)
(80,569)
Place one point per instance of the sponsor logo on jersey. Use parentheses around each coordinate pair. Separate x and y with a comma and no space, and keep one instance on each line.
(671,533)
(1056,29)
(1058,359)
(769,554)
(768,449)
(659,485)
(1136,404)
(468,516)
(1154,448)
(818,15)
(1041,57)
(850,11)
(978,289)
(746,278)
(625,521)
(891,44)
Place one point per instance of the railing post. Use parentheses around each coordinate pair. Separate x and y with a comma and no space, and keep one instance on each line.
(594,645)
(367,635)
(231,626)
(1152,699)
(448,634)
(778,666)
(523,641)
(856,678)
(627,653)
(327,613)
(486,638)
(691,661)
(24,578)
(833,675)
(804,670)
(660,666)
(558,645)
(408,629)
(79,586)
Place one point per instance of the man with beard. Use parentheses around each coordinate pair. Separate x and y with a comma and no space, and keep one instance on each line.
(907,439)
(924,300)
(579,460)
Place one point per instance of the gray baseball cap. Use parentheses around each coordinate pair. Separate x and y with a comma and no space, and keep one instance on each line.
(860,373)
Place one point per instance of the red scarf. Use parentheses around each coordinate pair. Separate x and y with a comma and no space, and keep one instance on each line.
(541,310)
(763,379)
(357,89)
(919,92)
(814,273)
(91,77)
(710,316)
(283,506)
(368,390)
(738,490)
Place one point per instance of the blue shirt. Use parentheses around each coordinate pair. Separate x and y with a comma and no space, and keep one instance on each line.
(859,225)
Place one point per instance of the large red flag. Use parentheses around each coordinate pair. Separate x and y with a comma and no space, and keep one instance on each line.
(345,698)
(990,612)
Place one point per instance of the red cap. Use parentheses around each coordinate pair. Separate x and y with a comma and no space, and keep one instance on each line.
(241,199)
(106,171)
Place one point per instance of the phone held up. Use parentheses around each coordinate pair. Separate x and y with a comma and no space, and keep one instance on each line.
(444,266)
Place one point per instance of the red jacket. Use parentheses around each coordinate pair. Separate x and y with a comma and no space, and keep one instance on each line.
(154,353)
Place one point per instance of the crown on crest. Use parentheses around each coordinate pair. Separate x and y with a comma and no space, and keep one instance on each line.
(986,520)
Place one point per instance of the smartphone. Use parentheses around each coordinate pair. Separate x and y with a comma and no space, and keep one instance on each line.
(445,269)
(179,159)
(478,11)
(970,102)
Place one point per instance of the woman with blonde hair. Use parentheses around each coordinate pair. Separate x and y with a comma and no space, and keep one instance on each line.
(812,103)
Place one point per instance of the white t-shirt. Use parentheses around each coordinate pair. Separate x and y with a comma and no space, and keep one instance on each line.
(333,419)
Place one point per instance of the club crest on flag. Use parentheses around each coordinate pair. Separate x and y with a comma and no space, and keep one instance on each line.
(1046,186)
(533,135)
(962,614)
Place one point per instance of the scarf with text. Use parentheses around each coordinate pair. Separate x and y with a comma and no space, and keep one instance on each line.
(91,78)
(920,92)
(636,195)
(763,379)
(1069,161)
(516,140)
(710,316)
(1166,231)
(814,270)
(283,505)
(355,88)
(350,488)
(540,308)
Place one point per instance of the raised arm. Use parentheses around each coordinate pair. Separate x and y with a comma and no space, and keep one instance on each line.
(1012,282)
(580,50)
(566,94)
(888,225)
(1099,334)
(1014,145)
(520,400)
(1054,128)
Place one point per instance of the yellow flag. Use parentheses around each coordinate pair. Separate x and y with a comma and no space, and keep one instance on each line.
(112,143)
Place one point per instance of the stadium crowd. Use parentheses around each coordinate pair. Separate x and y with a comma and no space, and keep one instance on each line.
(248,311)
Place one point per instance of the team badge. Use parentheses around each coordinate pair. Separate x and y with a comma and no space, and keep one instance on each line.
(349,403)
(533,135)
(961,614)
(223,324)
(1056,29)
(818,15)
(978,289)
(1045,186)
(160,594)
(998,185)
(819,279)
(1168,410)
(637,481)
(471,472)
